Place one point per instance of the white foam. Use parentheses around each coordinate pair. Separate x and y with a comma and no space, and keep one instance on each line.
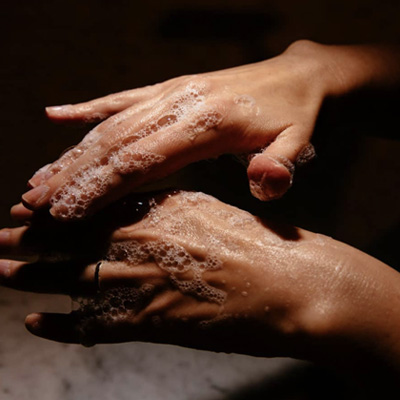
(204,122)
(258,190)
(185,273)
(306,155)
(92,181)
(176,261)
(73,199)
(108,306)
(245,100)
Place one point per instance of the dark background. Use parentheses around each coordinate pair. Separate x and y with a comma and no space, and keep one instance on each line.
(58,52)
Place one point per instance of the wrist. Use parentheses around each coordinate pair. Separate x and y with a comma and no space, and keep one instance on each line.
(308,61)
(358,329)
(345,69)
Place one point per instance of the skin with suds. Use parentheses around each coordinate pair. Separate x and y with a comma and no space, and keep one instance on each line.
(193,270)
(266,110)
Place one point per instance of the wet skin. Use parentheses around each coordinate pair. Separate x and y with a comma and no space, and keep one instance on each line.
(282,291)
(186,269)
(266,111)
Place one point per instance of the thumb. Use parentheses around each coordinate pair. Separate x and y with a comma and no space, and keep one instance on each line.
(271,172)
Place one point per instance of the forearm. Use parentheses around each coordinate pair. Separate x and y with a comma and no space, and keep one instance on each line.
(360,333)
(357,85)
(346,69)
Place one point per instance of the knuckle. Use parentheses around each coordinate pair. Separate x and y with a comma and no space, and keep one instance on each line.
(105,143)
(196,85)
(302,45)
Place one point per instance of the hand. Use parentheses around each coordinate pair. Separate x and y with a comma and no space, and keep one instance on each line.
(265,110)
(199,273)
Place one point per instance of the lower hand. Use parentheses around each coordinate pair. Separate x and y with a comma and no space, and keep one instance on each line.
(199,273)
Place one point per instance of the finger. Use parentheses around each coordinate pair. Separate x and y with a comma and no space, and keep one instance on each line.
(67,158)
(49,239)
(20,213)
(156,93)
(156,324)
(75,277)
(146,160)
(75,328)
(11,240)
(24,241)
(38,175)
(62,328)
(172,146)
(101,108)
(43,277)
(271,172)
(79,329)
(108,127)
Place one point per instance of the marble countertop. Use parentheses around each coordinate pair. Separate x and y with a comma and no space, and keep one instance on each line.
(33,368)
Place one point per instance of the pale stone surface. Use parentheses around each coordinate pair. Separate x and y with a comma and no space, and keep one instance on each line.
(36,369)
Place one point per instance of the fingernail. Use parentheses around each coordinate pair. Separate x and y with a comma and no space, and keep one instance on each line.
(39,176)
(33,181)
(4,236)
(270,186)
(36,195)
(285,162)
(4,269)
(257,189)
(33,322)
(57,108)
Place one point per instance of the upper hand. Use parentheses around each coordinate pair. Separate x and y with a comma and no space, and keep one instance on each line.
(268,109)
